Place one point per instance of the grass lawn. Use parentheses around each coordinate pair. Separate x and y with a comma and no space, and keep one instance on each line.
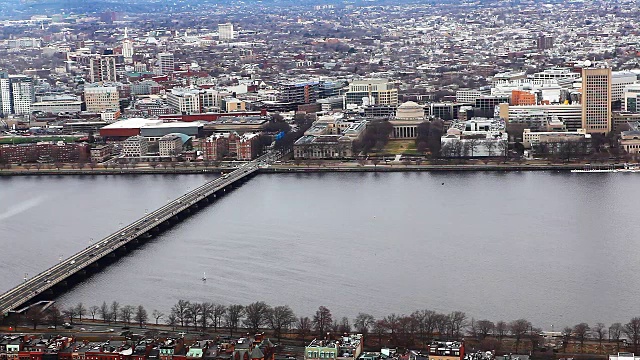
(28,139)
(400,147)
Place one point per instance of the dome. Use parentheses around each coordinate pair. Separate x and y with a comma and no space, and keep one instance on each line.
(410,111)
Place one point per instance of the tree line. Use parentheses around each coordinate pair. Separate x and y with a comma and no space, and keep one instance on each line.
(415,329)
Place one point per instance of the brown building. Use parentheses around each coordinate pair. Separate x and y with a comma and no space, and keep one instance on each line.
(44,152)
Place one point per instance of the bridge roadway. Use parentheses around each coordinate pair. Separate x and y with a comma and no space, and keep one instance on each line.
(29,289)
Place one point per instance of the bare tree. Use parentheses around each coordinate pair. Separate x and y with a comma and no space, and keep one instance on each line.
(501,329)
(581,331)
(157,315)
(206,309)
(567,333)
(115,307)
(193,314)
(233,316)
(457,320)
(54,317)
(104,312)
(126,313)
(280,319)
(93,310)
(304,327)
(141,316)
(363,322)
(80,311)
(615,333)
(632,329)
(256,315)
(322,320)
(344,326)
(600,332)
(217,314)
(35,316)
(484,328)
(69,313)
(518,329)
(172,320)
(380,329)
(180,311)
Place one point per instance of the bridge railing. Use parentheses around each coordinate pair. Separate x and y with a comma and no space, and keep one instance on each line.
(139,227)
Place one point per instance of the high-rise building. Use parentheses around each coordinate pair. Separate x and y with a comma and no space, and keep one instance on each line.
(596,99)
(166,63)
(103,68)
(127,48)
(16,94)
(225,31)
(544,42)
(102,99)
(372,92)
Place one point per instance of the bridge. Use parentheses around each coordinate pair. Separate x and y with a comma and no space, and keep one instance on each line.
(115,245)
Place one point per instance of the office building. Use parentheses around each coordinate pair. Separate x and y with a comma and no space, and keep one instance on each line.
(16,94)
(166,64)
(170,145)
(596,99)
(184,101)
(372,92)
(299,92)
(569,114)
(544,42)
(620,80)
(102,99)
(135,146)
(225,31)
(631,98)
(103,68)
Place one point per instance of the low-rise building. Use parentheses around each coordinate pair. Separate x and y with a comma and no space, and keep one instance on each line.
(323,147)
(446,350)
(532,138)
(247,146)
(475,138)
(101,153)
(346,347)
(630,142)
(170,145)
(216,146)
(135,146)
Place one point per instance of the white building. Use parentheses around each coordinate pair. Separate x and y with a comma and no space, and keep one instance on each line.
(475,138)
(166,63)
(225,31)
(185,101)
(102,99)
(570,114)
(470,96)
(57,104)
(127,48)
(619,81)
(532,138)
(631,98)
(135,146)
(16,94)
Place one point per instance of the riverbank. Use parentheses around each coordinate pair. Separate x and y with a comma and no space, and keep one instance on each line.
(297,168)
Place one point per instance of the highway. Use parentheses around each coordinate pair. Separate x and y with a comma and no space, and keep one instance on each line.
(29,289)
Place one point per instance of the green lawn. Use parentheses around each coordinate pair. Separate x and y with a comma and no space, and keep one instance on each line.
(28,139)
(400,147)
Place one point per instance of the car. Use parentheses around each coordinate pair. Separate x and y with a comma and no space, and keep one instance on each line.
(51,327)
(110,330)
(92,254)
(83,329)
(72,262)
(125,328)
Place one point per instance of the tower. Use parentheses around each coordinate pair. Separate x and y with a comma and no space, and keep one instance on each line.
(225,31)
(127,48)
(596,99)
(166,63)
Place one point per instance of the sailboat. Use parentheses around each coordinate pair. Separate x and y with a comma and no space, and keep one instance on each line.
(204,276)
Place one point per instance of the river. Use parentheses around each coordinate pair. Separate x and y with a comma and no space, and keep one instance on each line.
(555,248)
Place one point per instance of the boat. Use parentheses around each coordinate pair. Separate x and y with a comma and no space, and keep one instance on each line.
(609,169)
(204,276)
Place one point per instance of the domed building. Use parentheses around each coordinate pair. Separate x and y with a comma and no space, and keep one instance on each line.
(405,123)
(410,111)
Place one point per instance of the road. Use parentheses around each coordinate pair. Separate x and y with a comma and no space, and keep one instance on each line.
(23,293)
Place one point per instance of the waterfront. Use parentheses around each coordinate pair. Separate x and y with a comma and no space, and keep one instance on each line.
(496,245)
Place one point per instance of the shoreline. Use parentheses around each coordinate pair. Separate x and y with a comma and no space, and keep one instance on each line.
(292,168)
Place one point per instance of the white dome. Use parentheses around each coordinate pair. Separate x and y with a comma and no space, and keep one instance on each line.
(410,111)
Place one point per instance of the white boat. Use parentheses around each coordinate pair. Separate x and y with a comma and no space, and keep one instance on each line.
(204,276)
(611,169)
